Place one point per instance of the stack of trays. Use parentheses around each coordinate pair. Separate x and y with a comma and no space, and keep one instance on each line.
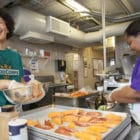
(117,132)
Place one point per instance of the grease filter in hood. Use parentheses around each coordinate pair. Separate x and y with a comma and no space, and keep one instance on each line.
(34,37)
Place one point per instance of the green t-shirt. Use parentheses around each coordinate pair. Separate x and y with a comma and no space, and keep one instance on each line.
(10,68)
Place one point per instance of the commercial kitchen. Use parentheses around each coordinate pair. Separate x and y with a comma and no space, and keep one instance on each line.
(74,48)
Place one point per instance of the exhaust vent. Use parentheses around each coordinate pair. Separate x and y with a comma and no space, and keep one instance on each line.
(34,37)
(57,26)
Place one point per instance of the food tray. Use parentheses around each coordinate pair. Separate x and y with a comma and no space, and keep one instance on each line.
(65,99)
(40,114)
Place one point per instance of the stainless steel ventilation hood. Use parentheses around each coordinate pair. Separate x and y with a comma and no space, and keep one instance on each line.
(34,37)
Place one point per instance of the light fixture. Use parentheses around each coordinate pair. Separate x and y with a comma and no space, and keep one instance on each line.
(40,20)
(77,7)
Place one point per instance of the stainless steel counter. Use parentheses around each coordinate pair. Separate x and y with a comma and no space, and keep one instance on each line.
(65,99)
(58,87)
(55,85)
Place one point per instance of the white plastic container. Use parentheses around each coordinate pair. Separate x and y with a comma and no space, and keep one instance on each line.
(26,51)
(18,129)
(42,53)
(5,117)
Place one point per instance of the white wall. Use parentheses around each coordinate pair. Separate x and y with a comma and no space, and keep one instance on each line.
(46,67)
(59,51)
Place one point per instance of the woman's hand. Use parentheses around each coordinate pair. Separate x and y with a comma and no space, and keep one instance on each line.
(13,84)
(125,95)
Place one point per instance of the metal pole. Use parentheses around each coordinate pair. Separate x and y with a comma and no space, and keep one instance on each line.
(104,33)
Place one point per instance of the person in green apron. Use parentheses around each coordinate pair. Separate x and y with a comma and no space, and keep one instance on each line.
(11,67)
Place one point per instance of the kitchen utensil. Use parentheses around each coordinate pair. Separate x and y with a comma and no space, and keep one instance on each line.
(23,95)
(19,95)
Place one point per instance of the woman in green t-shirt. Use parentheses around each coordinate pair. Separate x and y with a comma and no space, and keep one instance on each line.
(10,61)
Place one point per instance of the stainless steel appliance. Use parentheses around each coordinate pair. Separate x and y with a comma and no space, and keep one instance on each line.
(111,83)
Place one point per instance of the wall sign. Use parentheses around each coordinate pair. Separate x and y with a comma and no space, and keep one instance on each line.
(34,65)
(97,66)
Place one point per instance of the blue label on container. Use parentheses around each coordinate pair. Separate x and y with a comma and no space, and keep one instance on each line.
(15,130)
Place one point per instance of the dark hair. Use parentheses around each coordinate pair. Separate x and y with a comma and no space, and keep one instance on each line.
(8,21)
(133,29)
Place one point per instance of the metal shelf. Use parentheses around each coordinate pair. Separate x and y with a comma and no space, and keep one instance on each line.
(39,57)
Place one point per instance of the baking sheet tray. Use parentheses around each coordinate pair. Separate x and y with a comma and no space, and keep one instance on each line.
(65,99)
(34,135)
(41,114)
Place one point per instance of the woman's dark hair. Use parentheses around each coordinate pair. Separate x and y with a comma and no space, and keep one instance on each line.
(133,29)
(8,21)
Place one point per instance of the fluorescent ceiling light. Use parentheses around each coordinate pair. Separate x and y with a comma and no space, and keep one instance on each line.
(40,20)
(77,7)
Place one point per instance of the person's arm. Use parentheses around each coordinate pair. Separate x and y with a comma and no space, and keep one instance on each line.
(4,84)
(124,95)
(9,84)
